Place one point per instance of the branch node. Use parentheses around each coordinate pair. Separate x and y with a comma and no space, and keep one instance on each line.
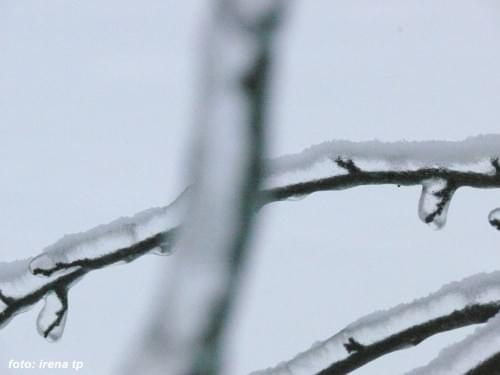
(347,165)
(6,300)
(353,346)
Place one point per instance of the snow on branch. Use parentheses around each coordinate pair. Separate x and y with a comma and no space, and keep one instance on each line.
(476,354)
(440,167)
(471,301)
(50,274)
(330,166)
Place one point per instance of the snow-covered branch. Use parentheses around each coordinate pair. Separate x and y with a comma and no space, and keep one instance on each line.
(471,301)
(477,354)
(439,167)
(50,274)
(330,166)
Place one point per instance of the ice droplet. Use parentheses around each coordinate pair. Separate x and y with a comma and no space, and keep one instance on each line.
(297,197)
(52,318)
(434,202)
(166,247)
(42,264)
(494,218)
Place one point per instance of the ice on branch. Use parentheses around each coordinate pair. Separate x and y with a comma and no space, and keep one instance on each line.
(76,250)
(468,354)
(376,327)
(439,167)
(25,282)
(52,318)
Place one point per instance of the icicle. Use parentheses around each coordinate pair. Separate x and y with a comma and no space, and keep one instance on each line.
(52,317)
(434,202)
(494,218)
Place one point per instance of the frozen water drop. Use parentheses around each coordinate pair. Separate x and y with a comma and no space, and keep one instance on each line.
(52,318)
(42,265)
(297,197)
(434,202)
(162,251)
(167,245)
(494,218)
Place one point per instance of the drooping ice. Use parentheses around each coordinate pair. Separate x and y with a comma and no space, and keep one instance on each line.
(18,279)
(52,318)
(474,154)
(434,202)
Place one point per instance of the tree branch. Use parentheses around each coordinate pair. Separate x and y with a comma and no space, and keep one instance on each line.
(491,366)
(473,300)
(476,354)
(363,354)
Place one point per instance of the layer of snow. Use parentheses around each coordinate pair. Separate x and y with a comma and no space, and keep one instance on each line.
(467,354)
(318,161)
(480,288)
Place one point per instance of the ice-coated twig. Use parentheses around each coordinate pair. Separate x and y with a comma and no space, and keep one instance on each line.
(473,300)
(477,354)
(25,282)
(440,167)
(77,254)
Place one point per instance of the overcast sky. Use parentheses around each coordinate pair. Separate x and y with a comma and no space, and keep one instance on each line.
(96,103)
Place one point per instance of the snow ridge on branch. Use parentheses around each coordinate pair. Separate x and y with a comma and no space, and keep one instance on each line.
(470,301)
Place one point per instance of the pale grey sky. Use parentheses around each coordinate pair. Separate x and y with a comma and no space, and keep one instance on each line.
(96,101)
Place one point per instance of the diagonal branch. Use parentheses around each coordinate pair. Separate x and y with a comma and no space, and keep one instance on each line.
(477,354)
(471,301)
(360,354)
